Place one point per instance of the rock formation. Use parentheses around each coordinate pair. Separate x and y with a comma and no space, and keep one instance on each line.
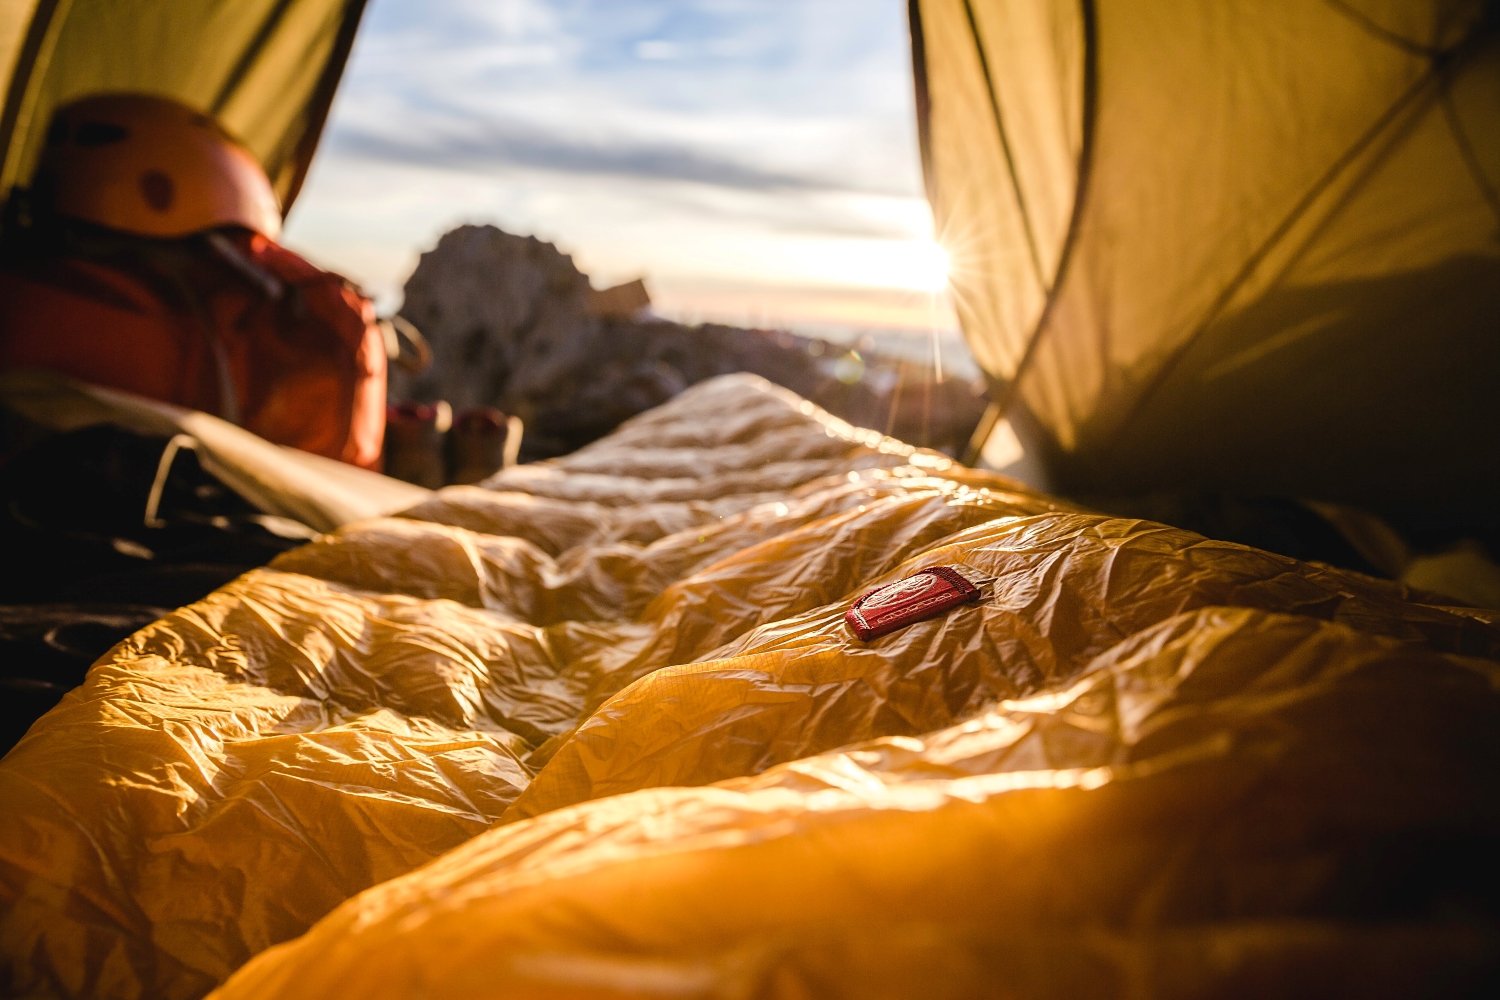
(493,307)
(510,325)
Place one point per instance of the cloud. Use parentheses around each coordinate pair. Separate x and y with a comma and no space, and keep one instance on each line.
(742,94)
(498,144)
(810,212)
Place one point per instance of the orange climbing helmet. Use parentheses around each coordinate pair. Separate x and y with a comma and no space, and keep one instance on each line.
(151,166)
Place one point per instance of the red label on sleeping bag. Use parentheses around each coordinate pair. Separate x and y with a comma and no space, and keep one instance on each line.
(917,597)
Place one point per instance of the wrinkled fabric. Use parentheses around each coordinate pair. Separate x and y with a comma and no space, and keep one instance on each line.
(597,728)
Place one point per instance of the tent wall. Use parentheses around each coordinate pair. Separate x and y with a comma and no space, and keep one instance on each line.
(1242,246)
(267,69)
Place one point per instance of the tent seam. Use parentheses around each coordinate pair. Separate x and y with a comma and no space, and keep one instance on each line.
(1253,261)
(1467,153)
(1374,30)
(922,96)
(40,40)
(241,69)
(998,409)
(320,101)
(1010,161)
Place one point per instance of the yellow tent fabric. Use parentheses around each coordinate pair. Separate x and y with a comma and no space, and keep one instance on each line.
(266,69)
(1235,246)
(597,728)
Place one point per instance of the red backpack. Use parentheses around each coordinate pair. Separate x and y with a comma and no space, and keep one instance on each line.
(228,322)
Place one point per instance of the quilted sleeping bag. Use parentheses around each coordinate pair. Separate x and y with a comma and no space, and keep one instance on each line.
(741,701)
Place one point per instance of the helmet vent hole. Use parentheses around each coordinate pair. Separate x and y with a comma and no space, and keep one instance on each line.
(158,190)
(100,133)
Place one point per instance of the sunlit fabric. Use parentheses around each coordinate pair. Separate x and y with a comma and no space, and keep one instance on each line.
(1233,246)
(597,728)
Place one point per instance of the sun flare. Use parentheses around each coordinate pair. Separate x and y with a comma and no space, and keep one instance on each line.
(931,266)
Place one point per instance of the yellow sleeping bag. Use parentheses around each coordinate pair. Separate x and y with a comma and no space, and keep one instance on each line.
(606,726)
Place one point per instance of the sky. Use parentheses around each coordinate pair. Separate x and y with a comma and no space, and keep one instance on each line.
(754,160)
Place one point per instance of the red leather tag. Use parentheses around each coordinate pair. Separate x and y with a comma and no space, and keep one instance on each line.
(917,597)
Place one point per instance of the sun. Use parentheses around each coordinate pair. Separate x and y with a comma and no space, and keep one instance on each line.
(931,266)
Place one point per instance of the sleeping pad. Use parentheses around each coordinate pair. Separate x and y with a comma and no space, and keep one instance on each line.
(605,726)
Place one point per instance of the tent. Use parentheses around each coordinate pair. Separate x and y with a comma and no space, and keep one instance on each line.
(1250,248)
(267,69)
(744,701)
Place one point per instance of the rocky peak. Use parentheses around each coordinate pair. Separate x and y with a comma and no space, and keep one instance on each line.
(497,309)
